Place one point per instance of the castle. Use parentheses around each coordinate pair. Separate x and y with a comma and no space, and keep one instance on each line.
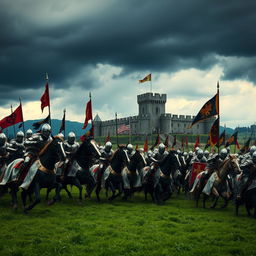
(152,119)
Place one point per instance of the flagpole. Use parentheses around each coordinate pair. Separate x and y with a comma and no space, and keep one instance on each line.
(64,123)
(49,107)
(13,124)
(116,131)
(92,133)
(218,105)
(130,139)
(23,124)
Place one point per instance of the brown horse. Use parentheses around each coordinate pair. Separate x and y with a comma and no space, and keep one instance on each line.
(217,183)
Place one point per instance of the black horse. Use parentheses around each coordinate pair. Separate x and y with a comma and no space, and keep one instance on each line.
(131,174)
(80,162)
(112,177)
(43,176)
(158,179)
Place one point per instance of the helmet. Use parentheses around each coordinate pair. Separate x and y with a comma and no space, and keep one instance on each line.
(223,153)
(200,154)
(60,135)
(252,150)
(19,136)
(196,149)
(190,153)
(161,148)
(108,146)
(29,133)
(206,153)
(254,157)
(129,148)
(149,153)
(185,154)
(46,130)
(228,149)
(178,152)
(3,139)
(71,138)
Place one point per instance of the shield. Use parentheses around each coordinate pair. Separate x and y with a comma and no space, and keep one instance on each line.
(196,169)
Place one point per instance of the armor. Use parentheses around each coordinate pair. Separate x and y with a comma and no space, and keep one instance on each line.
(46,131)
(107,151)
(199,157)
(161,153)
(71,146)
(108,147)
(16,147)
(252,150)
(161,148)
(29,133)
(223,154)
(130,151)
(206,154)
(61,135)
(3,150)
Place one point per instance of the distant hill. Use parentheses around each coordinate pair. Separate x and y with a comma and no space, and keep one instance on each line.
(76,127)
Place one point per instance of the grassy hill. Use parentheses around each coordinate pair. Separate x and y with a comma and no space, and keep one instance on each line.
(129,228)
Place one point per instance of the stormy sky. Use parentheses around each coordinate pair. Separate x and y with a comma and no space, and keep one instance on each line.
(106,46)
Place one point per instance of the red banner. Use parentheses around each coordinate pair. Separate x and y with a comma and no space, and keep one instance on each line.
(45,99)
(14,118)
(196,169)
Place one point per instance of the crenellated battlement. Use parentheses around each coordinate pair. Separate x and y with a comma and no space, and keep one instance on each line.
(151,97)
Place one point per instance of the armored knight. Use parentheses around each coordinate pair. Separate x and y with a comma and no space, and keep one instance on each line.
(16,147)
(130,150)
(71,146)
(161,153)
(3,152)
(107,152)
(29,133)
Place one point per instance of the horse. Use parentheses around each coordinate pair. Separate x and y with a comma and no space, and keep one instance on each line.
(41,174)
(246,191)
(218,180)
(158,179)
(131,174)
(112,177)
(75,171)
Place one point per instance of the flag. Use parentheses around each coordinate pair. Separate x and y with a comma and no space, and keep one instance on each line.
(222,138)
(186,141)
(88,125)
(174,141)
(62,127)
(45,99)
(182,142)
(146,145)
(166,143)
(196,169)
(246,147)
(209,109)
(208,143)
(197,143)
(107,138)
(37,125)
(214,133)
(232,140)
(146,78)
(124,128)
(14,118)
(157,142)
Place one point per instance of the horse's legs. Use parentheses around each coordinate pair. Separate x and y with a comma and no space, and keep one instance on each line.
(47,194)
(14,191)
(24,197)
(112,189)
(204,199)
(67,191)
(215,202)
(248,209)
(77,183)
(225,203)
(90,186)
(37,200)
(98,189)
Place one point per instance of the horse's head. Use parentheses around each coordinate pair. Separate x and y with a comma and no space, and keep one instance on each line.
(234,165)
(121,155)
(138,160)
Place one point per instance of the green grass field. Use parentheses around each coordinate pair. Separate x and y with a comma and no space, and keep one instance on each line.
(135,227)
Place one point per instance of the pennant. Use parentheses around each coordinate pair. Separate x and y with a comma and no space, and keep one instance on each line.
(214,133)
(37,125)
(166,143)
(107,138)
(14,118)
(157,142)
(146,145)
(222,139)
(232,140)
(186,141)
(197,143)
(182,142)
(124,128)
(209,109)
(45,99)
(146,78)
(88,125)
(62,127)
(174,141)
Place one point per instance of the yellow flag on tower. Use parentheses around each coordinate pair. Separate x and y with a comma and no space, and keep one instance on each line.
(145,79)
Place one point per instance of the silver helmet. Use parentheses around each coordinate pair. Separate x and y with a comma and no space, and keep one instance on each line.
(3,139)
(161,148)
(46,130)
(29,133)
(206,153)
(254,157)
(196,149)
(252,150)
(129,148)
(60,135)
(19,136)
(223,153)
(190,153)
(71,138)
(108,146)
(200,154)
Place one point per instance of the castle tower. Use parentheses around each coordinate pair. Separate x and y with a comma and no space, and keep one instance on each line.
(151,107)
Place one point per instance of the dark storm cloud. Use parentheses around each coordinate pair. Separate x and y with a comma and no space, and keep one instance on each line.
(68,38)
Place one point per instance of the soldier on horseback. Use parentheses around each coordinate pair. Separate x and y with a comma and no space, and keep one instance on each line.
(161,154)
(16,147)
(34,145)
(29,133)
(130,150)
(3,153)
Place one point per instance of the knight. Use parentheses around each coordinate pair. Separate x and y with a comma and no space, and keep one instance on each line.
(29,133)
(107,151)
(199,157)
(70,145)
(130,150)
(3,152)
(16,147)
(34,145)
(161,153)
